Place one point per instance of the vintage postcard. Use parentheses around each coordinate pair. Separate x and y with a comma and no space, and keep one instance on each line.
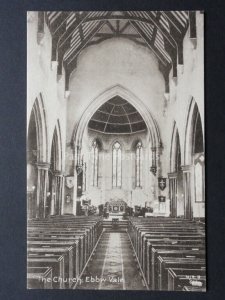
(115,150)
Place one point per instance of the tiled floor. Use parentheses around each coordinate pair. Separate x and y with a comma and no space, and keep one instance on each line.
(113,265)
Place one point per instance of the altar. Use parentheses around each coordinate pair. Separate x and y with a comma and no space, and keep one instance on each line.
(115,209)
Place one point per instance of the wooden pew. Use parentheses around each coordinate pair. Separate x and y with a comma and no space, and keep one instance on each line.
(188,288)
(90,236)
(169,237)
(172,242)
(160,281)
(68,259)
(68,224)
(72,239)
(166,231)
(163,235)
(178,278)
(160,247)
(39,278)
(46,232)
(56,262)
(52,244)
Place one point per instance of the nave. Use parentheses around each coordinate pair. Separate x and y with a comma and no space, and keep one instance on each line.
(150,254)
(113,265)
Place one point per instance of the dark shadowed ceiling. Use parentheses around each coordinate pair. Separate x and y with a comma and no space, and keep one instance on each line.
(161,31)
(117,116)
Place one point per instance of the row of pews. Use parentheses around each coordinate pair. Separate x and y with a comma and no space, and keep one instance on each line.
(58,249)
(170,252)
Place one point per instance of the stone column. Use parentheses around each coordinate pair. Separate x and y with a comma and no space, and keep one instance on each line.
(57,193)
(173,193)
(188,206)
(75,193)
(62,194)
(77,161)
(42,184)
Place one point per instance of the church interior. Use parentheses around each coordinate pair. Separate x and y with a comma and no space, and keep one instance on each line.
(115,150)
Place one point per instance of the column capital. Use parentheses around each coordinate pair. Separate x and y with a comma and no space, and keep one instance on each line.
(43,165)
(172,175)
(58,173)
(159,147)
(187,168)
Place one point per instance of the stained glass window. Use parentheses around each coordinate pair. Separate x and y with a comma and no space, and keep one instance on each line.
(117,165)
(94,159)
(138,166)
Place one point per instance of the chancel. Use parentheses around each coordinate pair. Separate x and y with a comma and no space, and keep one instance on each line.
(115,150)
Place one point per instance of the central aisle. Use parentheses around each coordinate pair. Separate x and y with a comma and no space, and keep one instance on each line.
(113,265)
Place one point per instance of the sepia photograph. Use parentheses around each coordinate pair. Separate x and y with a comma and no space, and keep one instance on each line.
(116,150)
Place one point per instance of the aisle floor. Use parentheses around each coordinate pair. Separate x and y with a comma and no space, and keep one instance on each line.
(113,265)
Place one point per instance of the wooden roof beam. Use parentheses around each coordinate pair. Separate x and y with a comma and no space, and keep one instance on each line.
(158,15)
(148,42)
(84,42)
(57,35)
(164,32)
(71,63)
(133,38)
(63,43)
(129,17)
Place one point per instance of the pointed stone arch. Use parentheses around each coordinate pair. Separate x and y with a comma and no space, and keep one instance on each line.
(56,148)
(193,134)
(193,117)
(38,114)
(37,160)
(175,148)
(124,93)
(153,134)
(55,178)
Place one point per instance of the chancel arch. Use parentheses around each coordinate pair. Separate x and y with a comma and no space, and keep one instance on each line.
(124,93)
(118,118)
